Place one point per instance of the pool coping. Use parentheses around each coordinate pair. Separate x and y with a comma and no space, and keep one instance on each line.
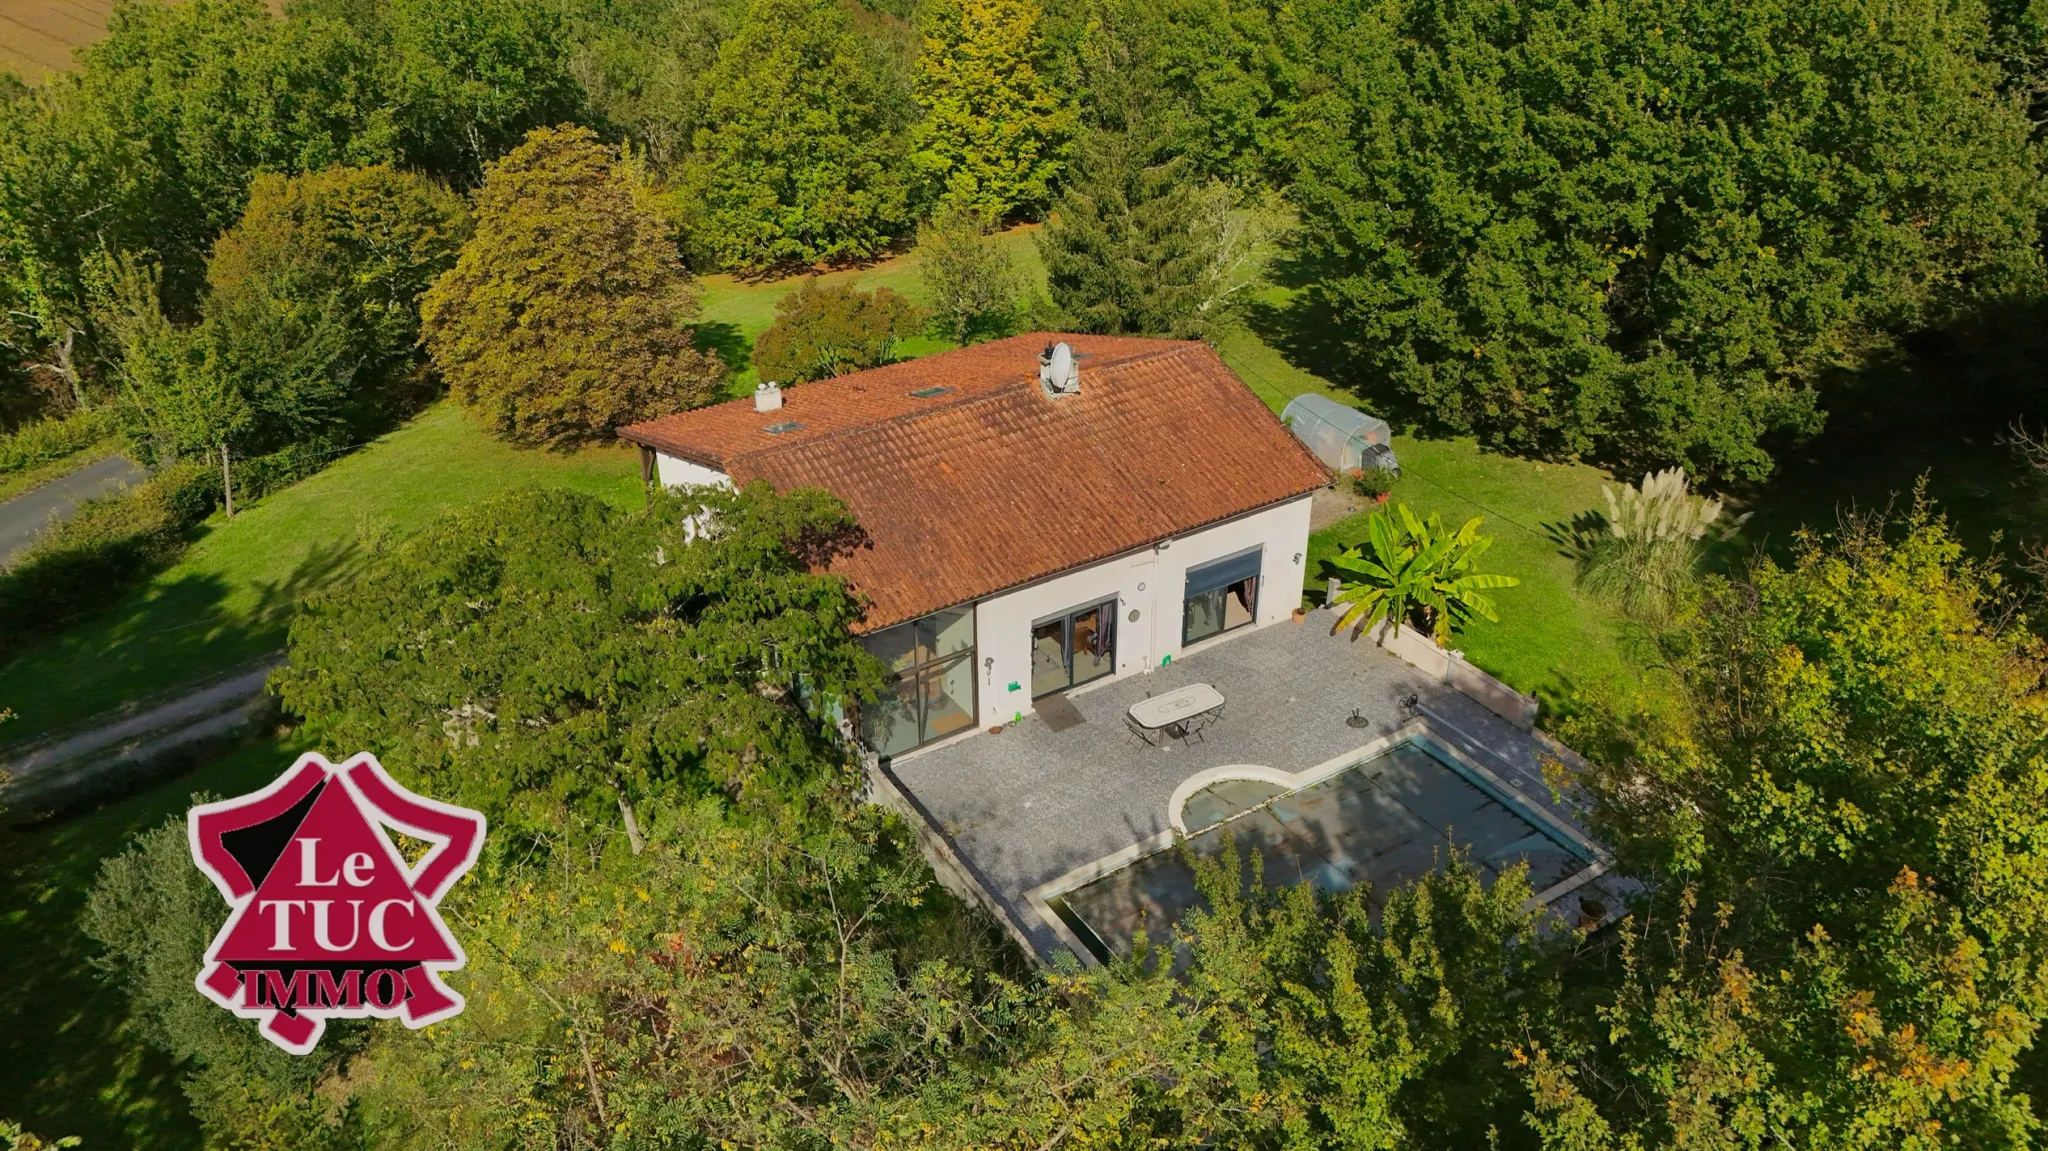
(1599,860)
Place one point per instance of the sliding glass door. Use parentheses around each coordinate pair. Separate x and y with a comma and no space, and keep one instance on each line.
(1073,648)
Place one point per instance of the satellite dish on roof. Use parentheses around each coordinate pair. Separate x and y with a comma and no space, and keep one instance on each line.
(1056,371)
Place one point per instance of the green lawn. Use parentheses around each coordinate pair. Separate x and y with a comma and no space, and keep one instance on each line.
(69,1065)
(226,604)
(1551,638)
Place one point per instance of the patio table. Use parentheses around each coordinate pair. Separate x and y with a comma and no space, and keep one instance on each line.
(1173,711)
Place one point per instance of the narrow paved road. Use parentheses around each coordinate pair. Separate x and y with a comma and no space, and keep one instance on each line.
(202,712)
(26,514)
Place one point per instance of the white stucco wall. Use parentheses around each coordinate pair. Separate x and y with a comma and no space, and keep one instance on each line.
(674,473)
(1151,583)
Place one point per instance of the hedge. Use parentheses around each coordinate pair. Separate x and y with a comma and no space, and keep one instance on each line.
(46,440)
(82,563)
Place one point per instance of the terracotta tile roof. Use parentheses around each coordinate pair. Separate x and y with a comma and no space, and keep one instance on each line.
(992,484)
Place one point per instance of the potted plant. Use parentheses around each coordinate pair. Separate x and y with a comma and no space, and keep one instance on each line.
(1372,483)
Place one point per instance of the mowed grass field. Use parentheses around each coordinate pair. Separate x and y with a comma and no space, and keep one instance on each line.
(37,37)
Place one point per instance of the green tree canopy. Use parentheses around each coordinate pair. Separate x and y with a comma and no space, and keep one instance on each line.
(806,152)
(822,331)
(995,124)
(1137,242)
(546,651)
(1844,825)
(568,311)
(1647,232)
(309,325)
(473,76)
(150,146)
(359,244)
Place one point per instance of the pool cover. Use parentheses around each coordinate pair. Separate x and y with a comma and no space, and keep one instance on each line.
(1384,821)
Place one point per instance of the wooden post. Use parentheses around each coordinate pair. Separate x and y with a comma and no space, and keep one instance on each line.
(646,465)
(227,482)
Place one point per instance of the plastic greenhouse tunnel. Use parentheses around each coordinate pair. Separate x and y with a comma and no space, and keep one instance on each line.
(1345,439)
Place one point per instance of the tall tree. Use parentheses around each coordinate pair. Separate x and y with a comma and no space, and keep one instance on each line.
(967,271)
(640,63)
(150,145)
(1137,242)
(996,125)
(568,311)
(1648,232)
(363,244)
(806,153)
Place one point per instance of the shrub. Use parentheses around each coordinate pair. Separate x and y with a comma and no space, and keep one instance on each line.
(1373,483)
(828,331)
(1651,544)
(967,271)
(46,440)
(81,563)
(1411,571)
(568,311)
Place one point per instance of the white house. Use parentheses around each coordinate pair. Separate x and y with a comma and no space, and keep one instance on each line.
(1042,512)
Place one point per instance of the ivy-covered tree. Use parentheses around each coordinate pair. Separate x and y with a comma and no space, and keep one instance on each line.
(1843,827)
(1648,232)
(546,652)
(568,311)
(996,124)
(806,152)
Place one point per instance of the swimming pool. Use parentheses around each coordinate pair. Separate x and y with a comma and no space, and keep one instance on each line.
(1381,816)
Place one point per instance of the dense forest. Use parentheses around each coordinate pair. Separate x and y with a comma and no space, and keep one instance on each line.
(1643,235)
(1639,235)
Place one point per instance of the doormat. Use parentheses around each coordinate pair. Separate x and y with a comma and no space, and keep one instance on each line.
(1059,712)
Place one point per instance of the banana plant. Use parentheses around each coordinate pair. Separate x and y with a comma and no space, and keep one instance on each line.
(1408,564)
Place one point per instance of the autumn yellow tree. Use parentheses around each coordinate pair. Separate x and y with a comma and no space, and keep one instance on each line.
(568,312)
(996,124)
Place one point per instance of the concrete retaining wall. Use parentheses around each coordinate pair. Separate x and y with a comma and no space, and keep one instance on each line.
(1419,650)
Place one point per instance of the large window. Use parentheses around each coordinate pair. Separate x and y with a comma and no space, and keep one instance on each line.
(930,692)
(1221,596)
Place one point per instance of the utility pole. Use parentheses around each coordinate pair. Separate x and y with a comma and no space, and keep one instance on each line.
(227,482)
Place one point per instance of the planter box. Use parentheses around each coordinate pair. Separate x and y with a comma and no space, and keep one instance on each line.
(1420,650)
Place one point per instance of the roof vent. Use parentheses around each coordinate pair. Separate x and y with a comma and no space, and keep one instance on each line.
(767,396)
(1056,371)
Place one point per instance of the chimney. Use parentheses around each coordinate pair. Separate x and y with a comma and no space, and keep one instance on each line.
(767,396)
(1056,371)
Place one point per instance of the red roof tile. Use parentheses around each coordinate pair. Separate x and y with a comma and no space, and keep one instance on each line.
(993,484)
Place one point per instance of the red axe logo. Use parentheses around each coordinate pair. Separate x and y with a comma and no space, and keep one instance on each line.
(328,922)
